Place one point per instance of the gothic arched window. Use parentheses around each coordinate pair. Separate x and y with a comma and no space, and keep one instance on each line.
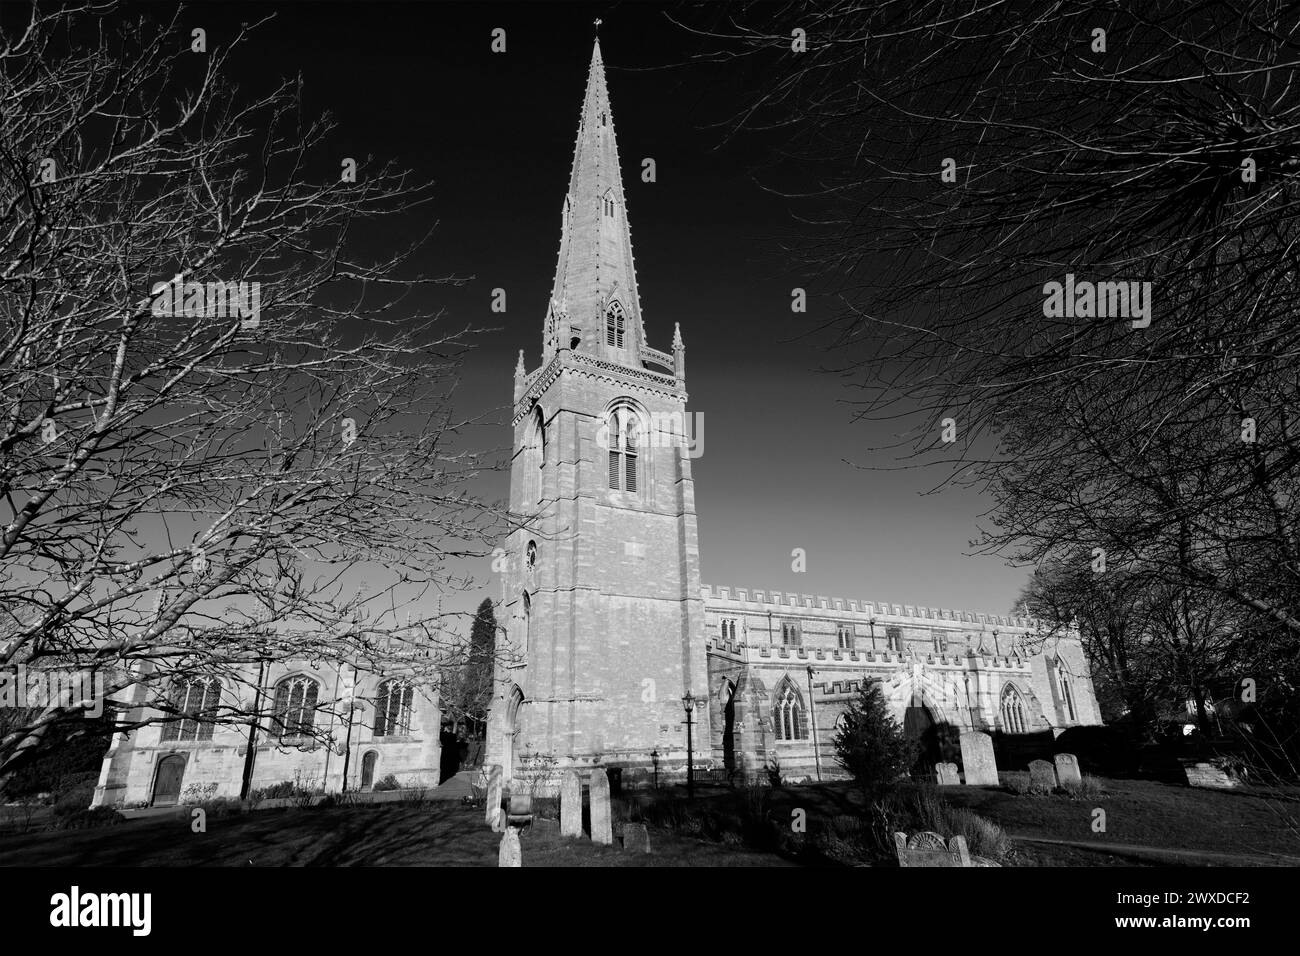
(295,705)
(528,621)
(1067,693)
(894,639)
(844,637)
(624,428)
(615,325)
(788,717)
(1013,711)
(535,454)
(790,633)
(393,708)
(193,697)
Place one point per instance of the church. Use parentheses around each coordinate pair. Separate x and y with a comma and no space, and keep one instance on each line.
(618,655)
(612,653)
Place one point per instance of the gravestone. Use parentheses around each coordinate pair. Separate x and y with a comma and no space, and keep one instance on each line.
(602,824)
(1067,771)
(977,759)
(510,854)
(946,774)
(927,848)
(636,838)
(1042,775)
(493,812)
(1209,774)
(571,805)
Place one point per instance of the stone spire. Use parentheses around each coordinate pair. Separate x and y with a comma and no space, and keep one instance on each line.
(595,275)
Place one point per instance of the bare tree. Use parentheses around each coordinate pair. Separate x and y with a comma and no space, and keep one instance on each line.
(195,483)
(956,159)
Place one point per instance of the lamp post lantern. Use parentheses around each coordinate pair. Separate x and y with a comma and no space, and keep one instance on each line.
(689,703)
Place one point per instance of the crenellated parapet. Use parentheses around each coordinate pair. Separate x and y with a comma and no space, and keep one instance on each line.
(787,603)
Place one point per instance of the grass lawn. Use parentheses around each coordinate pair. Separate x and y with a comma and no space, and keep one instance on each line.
(1146,813)
(435,835)
(1258,828)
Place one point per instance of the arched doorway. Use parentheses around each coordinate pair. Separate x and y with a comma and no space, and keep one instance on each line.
(729,726)
(368,769)
(918,725)
(167,781)
(512,729)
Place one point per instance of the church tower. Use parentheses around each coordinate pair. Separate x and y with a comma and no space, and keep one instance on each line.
(602,612)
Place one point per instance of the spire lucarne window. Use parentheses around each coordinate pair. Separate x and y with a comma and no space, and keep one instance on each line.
(615,325)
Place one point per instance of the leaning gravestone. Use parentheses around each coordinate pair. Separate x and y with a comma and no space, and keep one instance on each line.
(636,838)
(1205,773)
(510,854)
(946,774)
(494,798)
(928,848)
(1067,771)
(571,805)
(602,824)
(977,759)
(1042,775)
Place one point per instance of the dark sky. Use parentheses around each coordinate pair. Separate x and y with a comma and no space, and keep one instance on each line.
(419,83)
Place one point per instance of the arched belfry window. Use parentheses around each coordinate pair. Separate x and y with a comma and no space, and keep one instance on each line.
(615,325)
(607,203)
(1013,711)
(624,430)
(789,718)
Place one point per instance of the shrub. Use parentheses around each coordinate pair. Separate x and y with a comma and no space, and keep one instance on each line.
(1018,782)
(276,791)
(415,797)
(88,819)
(198,794)
(1089,789)
(983,837)
(388,783)
(870,745)
(223,807)
(773,771)
(73,801)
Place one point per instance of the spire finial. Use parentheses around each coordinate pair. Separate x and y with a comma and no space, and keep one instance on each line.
(519,368)
(677,336)
(598,22)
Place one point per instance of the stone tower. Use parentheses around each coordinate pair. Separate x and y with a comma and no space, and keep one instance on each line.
(601,605)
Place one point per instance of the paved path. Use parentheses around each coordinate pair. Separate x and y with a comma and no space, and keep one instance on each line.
(1162,854)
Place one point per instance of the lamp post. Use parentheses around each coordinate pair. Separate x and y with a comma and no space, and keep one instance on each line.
(689,703)
(654,758)
(250,757)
